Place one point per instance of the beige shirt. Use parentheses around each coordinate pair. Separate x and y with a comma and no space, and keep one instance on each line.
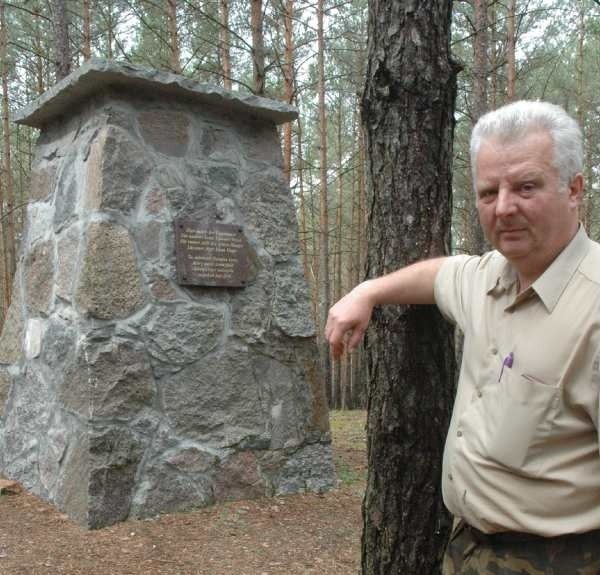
(522,450)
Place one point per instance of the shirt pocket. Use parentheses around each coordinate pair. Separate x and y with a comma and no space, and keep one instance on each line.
(519,421)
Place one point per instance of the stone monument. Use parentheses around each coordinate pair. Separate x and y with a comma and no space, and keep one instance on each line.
(158,354)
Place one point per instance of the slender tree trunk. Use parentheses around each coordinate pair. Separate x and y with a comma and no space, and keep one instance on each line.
(315,238)
(8,217)
(351,264)
(336,371)
(493,54)
(479,108)
(511,42)
(5,287)
(258,51)
(408,108)
(480,63)
(87,32)
(358,375)
(62,50)
(175,56)
(303,230)
(39,61)
(110,34)
(579,67)
(289,82)
(323,203)
(587,204)
(225,43)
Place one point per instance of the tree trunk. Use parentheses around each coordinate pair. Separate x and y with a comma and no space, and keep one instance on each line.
(87,33)
(258,50)
(5,287)
(110,31)
(408,107)
(225,43)
(493,58)
(175,56)
(39,55)
(323,205)
(62,50)
(8,217)
(479,108)
(336,371)
(480,62)
(358,375)
(511,42)
(289,82)
(586,210)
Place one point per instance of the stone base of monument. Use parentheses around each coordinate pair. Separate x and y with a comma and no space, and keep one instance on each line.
(158,354)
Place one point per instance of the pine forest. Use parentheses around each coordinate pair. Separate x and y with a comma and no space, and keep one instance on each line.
(311,54)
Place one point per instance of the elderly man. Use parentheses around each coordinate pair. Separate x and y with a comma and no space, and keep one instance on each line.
(521,469)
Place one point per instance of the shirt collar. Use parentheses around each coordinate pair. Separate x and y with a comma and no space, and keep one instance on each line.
(552,283)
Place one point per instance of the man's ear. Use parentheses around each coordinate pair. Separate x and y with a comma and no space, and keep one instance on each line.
(575,190)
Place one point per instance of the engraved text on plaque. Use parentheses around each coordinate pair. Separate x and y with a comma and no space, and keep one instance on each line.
(214,255)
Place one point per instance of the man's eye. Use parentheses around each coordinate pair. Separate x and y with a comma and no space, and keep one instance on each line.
(487,195)
(527,187)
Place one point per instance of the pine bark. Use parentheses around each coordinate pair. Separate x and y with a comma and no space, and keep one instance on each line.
(110,30)
(587,207)
(175,55)
(493,57)
(358,379)
(408,107)
(62,48)
(7,199)
(323,205)
(336,365)
(5,287)
(511,41)
(87,32)
(479,108)
(225,43)
(289,83)
(303,230)
(258,50)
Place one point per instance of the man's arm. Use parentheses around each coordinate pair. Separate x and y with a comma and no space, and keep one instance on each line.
(410,285)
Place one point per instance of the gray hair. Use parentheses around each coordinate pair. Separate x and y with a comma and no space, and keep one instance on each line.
(516,120)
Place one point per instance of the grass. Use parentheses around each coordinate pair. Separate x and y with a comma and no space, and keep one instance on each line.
(348,429)
(349,445)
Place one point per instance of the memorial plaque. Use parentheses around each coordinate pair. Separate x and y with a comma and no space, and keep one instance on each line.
(214,255)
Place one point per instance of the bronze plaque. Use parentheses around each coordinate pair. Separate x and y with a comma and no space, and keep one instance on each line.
(213,255)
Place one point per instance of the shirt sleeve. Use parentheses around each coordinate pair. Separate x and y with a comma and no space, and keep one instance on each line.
(453,286)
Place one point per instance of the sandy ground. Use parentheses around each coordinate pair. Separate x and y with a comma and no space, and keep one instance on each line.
(300,534)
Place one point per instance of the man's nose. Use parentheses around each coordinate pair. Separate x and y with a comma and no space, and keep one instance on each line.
(505,203)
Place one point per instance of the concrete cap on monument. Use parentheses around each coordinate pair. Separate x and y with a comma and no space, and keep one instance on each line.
(99,74)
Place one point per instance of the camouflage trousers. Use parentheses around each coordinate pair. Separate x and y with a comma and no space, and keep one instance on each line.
(471,552)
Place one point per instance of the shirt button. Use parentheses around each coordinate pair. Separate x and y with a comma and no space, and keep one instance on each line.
(450,476)
(494,351)
(459,434)
(479,394)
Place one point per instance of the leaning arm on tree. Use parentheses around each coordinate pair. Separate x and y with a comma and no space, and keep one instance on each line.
(410,285)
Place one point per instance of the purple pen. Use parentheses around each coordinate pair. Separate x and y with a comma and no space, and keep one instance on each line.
(508,362)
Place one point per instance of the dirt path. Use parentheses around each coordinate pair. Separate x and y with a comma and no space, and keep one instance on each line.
(295,535)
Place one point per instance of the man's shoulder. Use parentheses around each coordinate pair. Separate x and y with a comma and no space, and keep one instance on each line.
(488,261)
(590,265)
(474,271)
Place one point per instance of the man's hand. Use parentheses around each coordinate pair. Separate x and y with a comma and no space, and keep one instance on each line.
(413,284)
(350,315)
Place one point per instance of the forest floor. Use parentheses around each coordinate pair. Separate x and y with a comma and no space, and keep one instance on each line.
(292,535)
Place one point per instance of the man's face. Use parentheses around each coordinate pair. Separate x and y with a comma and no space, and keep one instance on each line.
(522,210)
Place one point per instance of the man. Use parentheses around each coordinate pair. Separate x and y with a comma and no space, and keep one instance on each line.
(521,469)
